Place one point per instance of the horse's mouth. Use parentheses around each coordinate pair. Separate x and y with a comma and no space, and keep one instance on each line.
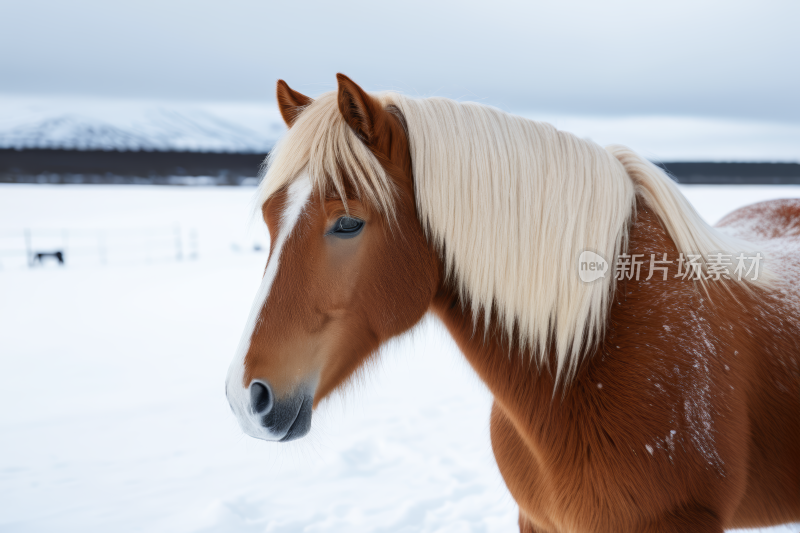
(302,421)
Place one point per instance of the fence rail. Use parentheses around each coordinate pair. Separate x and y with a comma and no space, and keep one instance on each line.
(38,247)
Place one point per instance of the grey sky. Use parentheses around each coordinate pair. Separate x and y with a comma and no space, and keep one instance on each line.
(717,58)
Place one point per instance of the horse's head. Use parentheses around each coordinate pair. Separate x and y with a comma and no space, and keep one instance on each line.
(349,264)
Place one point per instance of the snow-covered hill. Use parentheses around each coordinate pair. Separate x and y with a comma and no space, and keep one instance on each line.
(118,124)
(105,124)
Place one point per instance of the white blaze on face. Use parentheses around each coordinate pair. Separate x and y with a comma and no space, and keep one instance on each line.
(238,395)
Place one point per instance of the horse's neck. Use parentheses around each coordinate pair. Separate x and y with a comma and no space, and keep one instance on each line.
(520,385)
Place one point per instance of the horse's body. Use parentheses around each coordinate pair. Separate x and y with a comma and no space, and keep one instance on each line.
(684,419)
(677,408)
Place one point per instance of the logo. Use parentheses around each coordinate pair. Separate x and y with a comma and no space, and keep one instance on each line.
(591,266)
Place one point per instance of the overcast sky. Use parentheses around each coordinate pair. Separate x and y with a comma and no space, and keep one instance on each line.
(709,58)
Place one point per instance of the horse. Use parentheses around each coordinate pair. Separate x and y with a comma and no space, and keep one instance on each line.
(58,255)
(623,402)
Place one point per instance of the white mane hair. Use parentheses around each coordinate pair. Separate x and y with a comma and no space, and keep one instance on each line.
(510,204)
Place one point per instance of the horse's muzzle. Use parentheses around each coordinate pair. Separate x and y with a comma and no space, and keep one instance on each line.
(290,417)
(269,418)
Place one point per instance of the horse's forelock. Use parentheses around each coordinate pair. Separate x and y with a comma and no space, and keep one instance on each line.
(322,146)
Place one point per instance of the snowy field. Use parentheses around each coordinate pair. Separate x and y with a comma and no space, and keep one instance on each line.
(112,410)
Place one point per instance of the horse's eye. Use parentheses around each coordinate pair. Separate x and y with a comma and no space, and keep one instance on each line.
(346,227)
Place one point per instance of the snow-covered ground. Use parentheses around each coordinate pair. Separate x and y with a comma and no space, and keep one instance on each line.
(118,124)
(112,410)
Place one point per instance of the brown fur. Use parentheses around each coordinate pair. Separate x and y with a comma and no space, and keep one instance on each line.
(720,370)
(290,102)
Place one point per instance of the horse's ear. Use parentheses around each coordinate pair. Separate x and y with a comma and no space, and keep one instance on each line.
(290,102)
(359,109)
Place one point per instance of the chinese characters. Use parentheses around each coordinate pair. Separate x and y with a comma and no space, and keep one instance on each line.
(715,267)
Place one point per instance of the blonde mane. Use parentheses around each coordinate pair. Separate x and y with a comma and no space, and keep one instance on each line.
(510,204)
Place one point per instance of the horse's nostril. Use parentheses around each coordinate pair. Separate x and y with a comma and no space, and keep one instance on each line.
(260,398)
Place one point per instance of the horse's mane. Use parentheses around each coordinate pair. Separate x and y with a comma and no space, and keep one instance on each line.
(510,203)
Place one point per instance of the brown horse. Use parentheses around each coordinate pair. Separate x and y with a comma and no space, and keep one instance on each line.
(661,394)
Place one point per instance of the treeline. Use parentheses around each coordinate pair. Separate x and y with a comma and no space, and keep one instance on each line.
(221,168)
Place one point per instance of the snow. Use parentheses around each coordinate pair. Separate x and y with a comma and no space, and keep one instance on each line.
(114,124)
(130,124)
(112,405)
